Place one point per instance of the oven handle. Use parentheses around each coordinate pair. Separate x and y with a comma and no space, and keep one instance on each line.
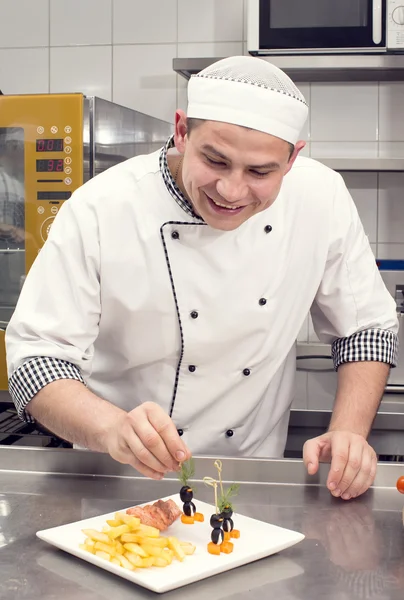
(377,21)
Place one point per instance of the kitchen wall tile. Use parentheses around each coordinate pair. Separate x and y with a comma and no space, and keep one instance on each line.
(139,22)
(344,112)
(391,208)
(344,149)
(144,79)
(304,332)
(391,149)
(363,188)
(312,334)
(245,11)
(24,23)
(306,150)
(321,390)
(85,69)
(391,112)
(72,23)
(210,21)
(201,50)
(300,399)
(374,249)
(390,251)
(24,71)
(305,89)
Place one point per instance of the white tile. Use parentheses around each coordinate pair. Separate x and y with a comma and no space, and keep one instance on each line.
(312,334)
(24,23)
(391,112)
(344,112)
(144,79)
(391,208)
(210,21)
(374,250)
(306,150)
(85,69)
(344,150)
(140,22)
(321,390)
(24,71)
(209,49)
(300,399)
(391,149)
(304,331)
(390,251)
(363,189)
(245,11)
(72,22)
(305,89)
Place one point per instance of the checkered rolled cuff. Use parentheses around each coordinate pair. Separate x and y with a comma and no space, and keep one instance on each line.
(378,345)
(33,375)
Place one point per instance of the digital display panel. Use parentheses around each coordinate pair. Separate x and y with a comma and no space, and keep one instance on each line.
(53,195)
(50,165)
(49,145)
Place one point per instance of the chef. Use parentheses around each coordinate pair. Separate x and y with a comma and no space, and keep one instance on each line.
(160,317)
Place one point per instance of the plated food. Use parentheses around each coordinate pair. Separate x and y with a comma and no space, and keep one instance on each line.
(130,543)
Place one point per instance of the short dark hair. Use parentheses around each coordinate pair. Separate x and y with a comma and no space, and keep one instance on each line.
(193,123)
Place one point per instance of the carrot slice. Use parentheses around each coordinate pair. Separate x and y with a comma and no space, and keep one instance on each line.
(213,548)
(199,517)
(226,547)
(235,533)
(187,520)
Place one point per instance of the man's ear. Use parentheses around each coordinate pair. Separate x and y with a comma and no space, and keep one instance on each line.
(181,129)
(298,148)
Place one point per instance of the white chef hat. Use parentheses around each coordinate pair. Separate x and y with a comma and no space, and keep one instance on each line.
(251,92)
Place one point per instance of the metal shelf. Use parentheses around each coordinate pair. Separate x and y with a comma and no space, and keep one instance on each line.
(326,68)
(364,164)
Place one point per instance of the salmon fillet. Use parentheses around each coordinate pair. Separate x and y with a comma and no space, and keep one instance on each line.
(161,514)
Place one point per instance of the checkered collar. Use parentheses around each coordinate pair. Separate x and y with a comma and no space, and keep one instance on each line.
(169,182)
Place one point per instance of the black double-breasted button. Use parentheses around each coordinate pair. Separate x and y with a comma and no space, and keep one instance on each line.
(268,228)
(194,314)
(262,301)
(175,235)
(229,433)
(180,432)
(192,368)
(246,372)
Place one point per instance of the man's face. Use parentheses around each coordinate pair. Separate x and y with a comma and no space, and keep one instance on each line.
(231,173)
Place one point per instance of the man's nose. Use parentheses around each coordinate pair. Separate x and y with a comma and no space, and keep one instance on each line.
(232,187)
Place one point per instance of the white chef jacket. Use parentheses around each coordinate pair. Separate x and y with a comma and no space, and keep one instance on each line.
(146,302)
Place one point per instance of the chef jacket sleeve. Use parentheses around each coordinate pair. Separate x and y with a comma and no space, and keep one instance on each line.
(353,309)
(53,329)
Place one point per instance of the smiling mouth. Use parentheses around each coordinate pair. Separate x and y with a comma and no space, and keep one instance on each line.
(224,206)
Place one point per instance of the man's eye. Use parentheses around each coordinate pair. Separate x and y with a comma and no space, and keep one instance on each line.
(215,162)
(260,173)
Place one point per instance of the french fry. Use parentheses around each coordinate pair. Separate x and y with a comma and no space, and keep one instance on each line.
(161,542)
(107,548)
(147,562)
(97,536)
(114,522)
(115,532)
(119,547)
(133,558)
(115,561)
(125,563)
(130,520)
(148,531)
(103,555)
(89,542)
(187,548)
(136,549)
(167,554)
(174,544)
(131,537)
(152,550)
(159,561)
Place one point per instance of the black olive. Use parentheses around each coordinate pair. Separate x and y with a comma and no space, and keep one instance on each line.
(216,520)
(186,493)
(217,536)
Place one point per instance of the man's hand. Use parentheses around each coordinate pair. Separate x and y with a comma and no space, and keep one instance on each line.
(147,439)
(353,462)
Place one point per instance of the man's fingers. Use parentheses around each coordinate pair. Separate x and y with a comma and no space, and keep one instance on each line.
(346,463)
(167,431)
(124,455)
(311,453)
(148,457)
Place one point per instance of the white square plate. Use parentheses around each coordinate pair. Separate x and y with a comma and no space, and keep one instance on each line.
(257,540)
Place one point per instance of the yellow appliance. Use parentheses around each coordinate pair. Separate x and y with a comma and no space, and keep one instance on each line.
(49,145)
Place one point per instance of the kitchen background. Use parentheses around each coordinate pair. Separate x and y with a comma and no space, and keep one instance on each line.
(122,50)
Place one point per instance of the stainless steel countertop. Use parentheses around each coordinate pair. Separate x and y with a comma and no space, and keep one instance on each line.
(352,549)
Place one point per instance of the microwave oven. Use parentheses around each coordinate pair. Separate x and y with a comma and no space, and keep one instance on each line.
(50,145)
(325,26)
